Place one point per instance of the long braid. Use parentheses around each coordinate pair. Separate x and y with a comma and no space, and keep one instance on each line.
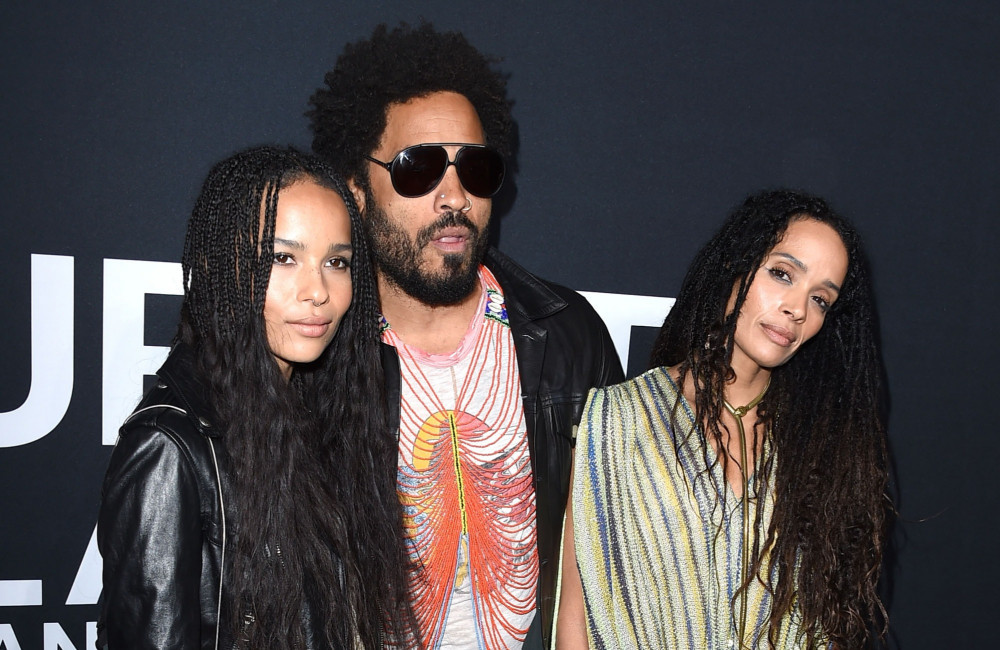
(317,521)
(827,460)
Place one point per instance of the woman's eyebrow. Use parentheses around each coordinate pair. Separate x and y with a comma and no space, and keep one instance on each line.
(289,243)
(794,260)
(800,264)
(339,247)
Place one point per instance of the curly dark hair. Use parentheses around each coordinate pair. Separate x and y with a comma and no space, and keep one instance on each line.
(824,411)
(348,116)
(317,524)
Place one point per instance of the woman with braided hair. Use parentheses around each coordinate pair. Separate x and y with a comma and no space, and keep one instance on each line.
(250,501)
(734,495)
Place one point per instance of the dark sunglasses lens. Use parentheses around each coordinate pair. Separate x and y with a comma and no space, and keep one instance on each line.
(417,170)
(481,171)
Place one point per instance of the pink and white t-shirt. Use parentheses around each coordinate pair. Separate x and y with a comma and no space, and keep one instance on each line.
(464,478)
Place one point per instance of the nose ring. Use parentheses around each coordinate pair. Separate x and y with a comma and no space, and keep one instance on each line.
(468,205)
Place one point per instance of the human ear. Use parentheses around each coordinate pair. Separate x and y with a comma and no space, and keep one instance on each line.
(359,195)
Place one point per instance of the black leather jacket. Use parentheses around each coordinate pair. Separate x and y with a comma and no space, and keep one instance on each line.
(563,350)
(162,523)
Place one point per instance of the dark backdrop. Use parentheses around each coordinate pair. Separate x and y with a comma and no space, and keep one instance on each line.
(641,124)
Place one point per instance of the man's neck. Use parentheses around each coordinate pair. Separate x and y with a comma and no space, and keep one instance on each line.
(435,330)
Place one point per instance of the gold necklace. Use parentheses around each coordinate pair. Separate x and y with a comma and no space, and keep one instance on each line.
(738,412)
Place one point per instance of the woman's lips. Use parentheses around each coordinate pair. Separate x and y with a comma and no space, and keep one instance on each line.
(311,327)
(779,335)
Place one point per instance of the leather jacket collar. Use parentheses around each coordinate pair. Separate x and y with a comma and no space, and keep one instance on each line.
(179,372)
(539,301)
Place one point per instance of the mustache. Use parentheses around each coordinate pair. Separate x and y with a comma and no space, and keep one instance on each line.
(448,220)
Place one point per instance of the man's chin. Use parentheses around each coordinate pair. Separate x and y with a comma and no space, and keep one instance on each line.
(452,263)
(438,268)
(448,286)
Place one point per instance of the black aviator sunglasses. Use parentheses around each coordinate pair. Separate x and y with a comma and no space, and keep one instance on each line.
(417,170)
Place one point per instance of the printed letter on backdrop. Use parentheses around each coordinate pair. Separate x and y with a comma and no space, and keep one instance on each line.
(51,354)
(126,358)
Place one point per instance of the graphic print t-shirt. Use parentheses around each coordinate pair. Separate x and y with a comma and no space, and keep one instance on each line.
(464,478)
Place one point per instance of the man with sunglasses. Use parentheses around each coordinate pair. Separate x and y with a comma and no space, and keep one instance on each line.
(487,366)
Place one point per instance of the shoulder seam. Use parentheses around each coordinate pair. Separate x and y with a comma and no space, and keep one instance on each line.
(154,406)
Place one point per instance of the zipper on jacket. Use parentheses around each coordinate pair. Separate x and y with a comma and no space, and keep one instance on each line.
(222,561)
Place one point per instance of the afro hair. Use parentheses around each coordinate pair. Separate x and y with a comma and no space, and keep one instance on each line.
(348,115)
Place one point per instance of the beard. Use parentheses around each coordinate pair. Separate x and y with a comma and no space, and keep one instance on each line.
(398,258)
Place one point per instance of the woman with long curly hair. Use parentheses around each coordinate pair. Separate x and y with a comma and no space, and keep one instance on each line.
(734,495)
(250,501)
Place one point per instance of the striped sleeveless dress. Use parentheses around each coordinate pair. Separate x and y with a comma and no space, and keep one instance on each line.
(659,554)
